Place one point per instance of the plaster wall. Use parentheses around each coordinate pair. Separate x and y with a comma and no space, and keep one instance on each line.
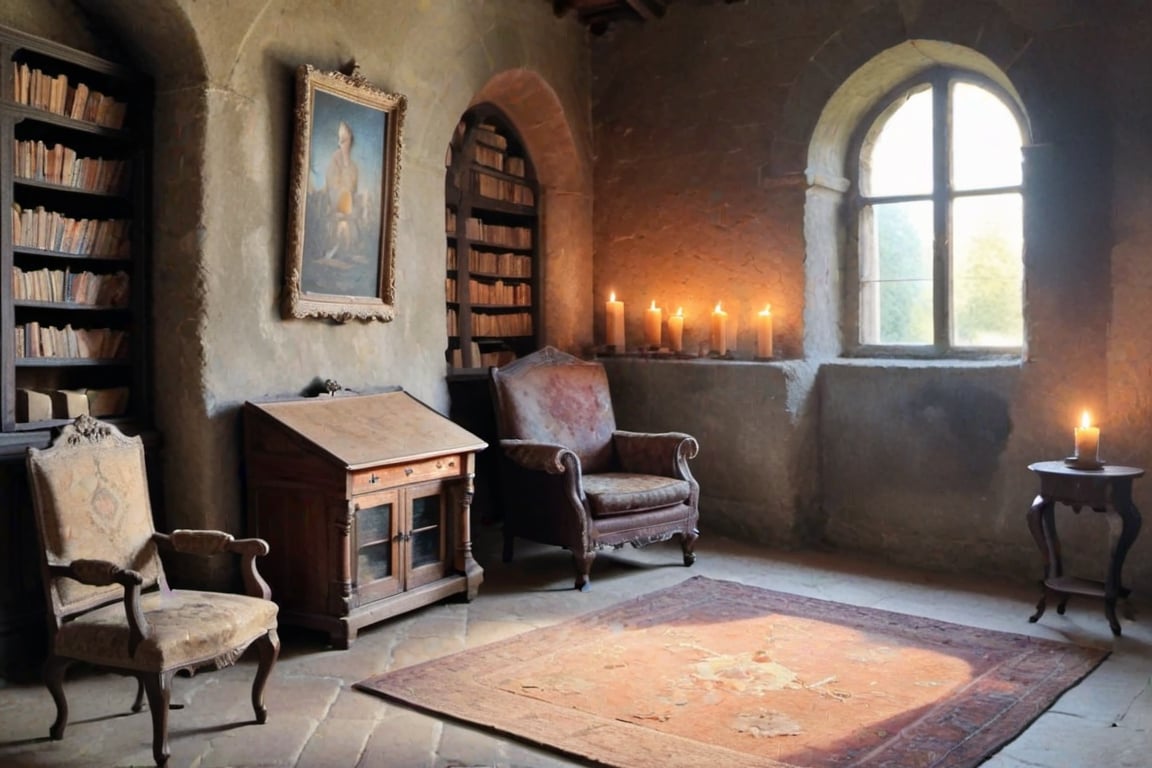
(718,178)
(224,79)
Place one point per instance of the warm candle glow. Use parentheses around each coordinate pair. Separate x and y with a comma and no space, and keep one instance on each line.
(614,322)
(764,332)
(1087,439)
(676,330)
(653,317)
(719,337)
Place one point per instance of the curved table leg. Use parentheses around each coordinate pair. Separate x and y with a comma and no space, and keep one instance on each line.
(1113,587)
(1042,524)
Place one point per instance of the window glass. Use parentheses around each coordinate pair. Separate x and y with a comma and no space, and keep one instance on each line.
(985,140)
(896,273)
(987,271)
(897,155)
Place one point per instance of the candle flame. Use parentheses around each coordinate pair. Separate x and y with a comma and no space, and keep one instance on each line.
(653,304)
(717,307)
(767,310)
(612,296)
(1085,419)
(679,311)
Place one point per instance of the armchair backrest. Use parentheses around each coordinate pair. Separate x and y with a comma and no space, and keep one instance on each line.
(90,496)
(550,396)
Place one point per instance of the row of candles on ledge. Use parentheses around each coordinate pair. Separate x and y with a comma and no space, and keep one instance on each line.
(654,321)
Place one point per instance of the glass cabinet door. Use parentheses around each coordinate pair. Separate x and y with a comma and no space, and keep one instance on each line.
(427,534)
(377,544)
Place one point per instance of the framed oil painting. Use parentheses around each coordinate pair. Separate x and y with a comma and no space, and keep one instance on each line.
(343,197)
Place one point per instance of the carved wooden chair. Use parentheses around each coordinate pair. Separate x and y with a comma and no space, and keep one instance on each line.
(108,599)
(572,479)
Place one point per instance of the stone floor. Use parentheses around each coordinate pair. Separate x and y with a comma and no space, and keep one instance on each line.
(317,719)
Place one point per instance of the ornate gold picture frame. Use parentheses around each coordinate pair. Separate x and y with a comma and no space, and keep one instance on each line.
(344,192)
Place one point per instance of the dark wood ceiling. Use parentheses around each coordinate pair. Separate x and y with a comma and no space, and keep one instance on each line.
(598,15)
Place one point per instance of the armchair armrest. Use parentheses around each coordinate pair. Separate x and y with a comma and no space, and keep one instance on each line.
(656,453)
(206,543)
(542,457)
(101,573)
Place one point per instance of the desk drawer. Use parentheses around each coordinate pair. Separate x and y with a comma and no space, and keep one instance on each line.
(378,478)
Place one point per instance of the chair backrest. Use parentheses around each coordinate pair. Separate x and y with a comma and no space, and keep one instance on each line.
(90,496)
(550,396)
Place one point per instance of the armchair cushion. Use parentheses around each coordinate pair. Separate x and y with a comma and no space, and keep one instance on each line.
(187,627)
(618,493)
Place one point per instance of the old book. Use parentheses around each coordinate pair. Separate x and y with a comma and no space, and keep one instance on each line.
(32,405)
(69,403)
(110,401)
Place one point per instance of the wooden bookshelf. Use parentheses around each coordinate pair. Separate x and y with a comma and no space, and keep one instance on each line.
(75,133)
(493,270)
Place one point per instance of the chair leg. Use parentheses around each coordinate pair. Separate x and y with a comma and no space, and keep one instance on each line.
(688,545)
(139,703)
(159,690)
(268,646)
(582,559)
(54,669)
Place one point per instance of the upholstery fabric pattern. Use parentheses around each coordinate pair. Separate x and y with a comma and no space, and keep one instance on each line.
(93,509)
(615,493)
(187,627)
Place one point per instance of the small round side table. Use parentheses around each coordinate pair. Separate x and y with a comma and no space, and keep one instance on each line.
(1109,487)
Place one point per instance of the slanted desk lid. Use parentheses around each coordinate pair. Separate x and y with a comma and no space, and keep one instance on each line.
(366,430)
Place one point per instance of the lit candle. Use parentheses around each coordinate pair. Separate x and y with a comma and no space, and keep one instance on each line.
(764,332)
(653,317)
(676,330)
(719,331)
(1087,440)
(614,322)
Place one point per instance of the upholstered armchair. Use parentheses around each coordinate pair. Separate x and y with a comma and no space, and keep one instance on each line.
(109,602)
(571,478)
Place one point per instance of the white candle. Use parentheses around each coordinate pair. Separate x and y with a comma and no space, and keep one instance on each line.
(764,332)
(719,331)
(614,322)
(676,330)
(653,317)
(1087,439)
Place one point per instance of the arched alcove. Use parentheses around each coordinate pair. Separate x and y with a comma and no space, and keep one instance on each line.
(562,169)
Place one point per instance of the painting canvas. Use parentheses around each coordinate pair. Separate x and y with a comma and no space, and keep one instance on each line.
(344,194)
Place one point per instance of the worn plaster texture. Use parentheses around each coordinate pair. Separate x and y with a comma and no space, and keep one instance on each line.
(755,470)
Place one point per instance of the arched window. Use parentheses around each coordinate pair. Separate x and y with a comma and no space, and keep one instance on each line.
(938,221)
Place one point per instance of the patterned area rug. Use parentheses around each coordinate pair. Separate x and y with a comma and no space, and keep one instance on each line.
(715,673)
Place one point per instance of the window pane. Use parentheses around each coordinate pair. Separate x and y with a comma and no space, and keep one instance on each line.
(988,271)
(896,158)
(985,140)
(896,273)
